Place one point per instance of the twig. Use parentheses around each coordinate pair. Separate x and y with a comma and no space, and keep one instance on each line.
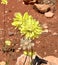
(25,60)
(4,23)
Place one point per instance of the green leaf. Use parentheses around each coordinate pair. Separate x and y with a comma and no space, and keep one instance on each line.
(30,54)
(31,29)
(17,20)
(27,26)
(16,24)
(26,16)
(18,16)
(25,52)
(4,2)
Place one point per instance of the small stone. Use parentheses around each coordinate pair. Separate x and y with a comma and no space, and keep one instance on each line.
(21,59)
(11,33)
(37,42)
(42,7)
(3,63)
(52,60)
(50,31)
(55,51)
(17,50)
(45,25)
(55,33)
(22,2)
(49,14)
(6,12)
(45,53)
(9,18)
(46,30)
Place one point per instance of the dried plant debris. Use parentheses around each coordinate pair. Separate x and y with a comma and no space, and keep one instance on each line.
(7,49)
(26,44)
(49,2)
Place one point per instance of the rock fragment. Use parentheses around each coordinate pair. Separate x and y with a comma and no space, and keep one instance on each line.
(42,7)
(49,14)
(21,60)
(2,63)
(11,33)
(52,60)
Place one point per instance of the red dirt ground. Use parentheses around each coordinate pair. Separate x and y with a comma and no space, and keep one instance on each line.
(46,44)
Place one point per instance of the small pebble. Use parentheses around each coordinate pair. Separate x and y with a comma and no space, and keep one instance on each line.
(22,2)
(45,53)
(9,18)
(46,30)
(17,50)
(42,7)
(2,63)
(6,12)
(52,60)
(37,42)
(55,33)
(11,33)
(55,51)
(49,14)
(45,25)
(50,31)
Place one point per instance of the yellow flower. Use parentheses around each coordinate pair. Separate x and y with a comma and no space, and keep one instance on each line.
(4,2)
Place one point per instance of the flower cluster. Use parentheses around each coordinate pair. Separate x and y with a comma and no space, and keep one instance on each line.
(27,26)
(4,2)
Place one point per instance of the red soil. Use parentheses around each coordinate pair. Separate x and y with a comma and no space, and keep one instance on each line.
(48,44)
